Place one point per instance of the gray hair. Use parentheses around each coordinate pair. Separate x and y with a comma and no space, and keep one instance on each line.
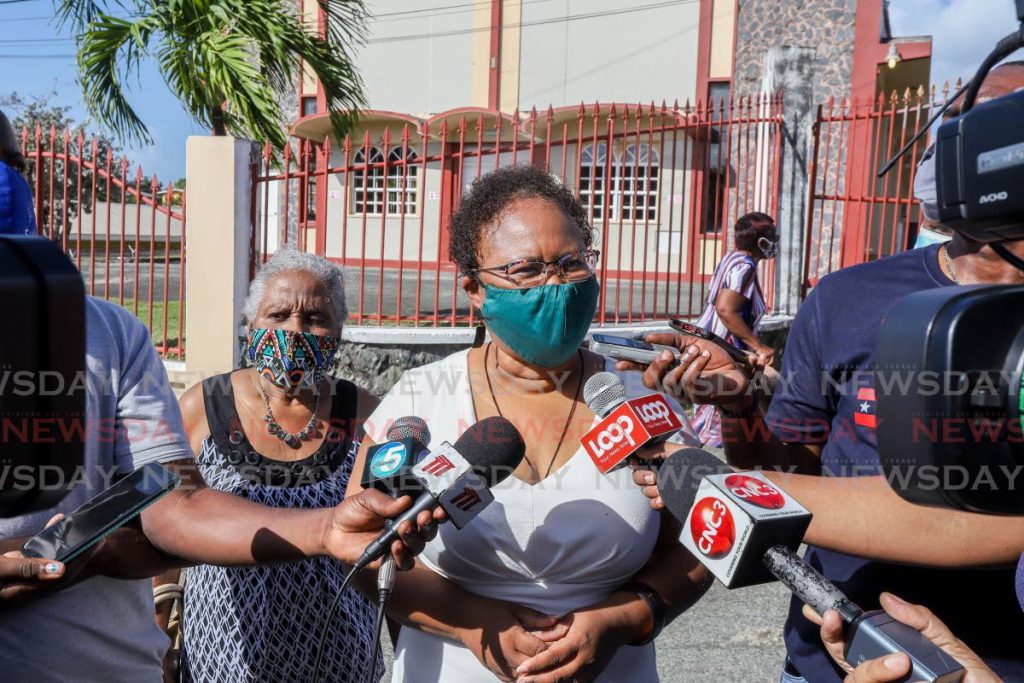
(287,258)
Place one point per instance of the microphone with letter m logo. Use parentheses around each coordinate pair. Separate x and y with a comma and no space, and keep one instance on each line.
(438,466)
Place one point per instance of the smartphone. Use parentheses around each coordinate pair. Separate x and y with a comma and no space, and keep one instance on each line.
(107,512)
(694,331)
(624,348)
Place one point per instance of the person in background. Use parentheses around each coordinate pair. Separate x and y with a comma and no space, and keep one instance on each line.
(283,434)
(568,574)
(931,231)
(735,304)
(17,214)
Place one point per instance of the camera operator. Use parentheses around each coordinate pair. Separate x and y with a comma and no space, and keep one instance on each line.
(101,627)
(821,421)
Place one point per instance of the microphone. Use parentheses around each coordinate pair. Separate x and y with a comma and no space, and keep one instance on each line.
(389,465)
(868,634)
(626,426)
(389,468)
(458,478)
(730,519)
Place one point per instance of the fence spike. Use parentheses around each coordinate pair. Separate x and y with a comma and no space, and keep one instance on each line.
(551,112)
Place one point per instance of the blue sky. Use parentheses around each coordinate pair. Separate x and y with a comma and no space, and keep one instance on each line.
(963,31)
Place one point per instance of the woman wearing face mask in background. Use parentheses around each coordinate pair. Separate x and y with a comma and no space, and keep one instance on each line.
(931,231)
(282,434)
(735,304)
(566,566)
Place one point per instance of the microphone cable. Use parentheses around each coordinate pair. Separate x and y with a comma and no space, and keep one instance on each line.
(330,614)
(385,582)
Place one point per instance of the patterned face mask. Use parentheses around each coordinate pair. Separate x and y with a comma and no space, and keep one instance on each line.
(290,359)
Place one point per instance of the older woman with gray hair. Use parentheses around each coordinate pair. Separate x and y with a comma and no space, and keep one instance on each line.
(282,434)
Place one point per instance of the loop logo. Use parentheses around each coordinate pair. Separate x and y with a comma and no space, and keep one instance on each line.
(387,460)
(653,411)
(712,528)
(612,435)
(755,491)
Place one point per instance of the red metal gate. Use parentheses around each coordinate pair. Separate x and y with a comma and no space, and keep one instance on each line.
(125,233)
(663,186)
(853,216)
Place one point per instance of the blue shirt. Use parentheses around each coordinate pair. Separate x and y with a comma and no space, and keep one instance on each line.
(827,397)
(17,214)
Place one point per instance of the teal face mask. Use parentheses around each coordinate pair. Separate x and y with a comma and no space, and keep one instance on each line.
(926,237)
(542,325)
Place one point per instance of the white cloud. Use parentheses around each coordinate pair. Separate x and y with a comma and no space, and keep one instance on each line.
(963,31)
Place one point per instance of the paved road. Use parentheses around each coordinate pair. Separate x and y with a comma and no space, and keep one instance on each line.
(656,300)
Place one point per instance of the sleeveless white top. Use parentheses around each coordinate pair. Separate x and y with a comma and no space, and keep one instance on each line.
(565,543)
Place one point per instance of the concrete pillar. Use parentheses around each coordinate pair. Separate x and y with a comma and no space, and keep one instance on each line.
(218,174)
(790,69)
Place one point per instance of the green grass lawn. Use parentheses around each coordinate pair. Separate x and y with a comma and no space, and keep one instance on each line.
(156,330)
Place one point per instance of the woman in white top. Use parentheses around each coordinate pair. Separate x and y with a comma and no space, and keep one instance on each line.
(568,574)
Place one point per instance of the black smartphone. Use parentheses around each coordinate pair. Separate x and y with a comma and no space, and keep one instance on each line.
(107,512)
(700,332)
(623,348)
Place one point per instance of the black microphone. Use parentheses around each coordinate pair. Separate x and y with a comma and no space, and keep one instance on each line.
(458,478)
(869,635)
(730,519)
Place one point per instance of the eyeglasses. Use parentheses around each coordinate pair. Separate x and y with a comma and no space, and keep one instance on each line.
(575,266)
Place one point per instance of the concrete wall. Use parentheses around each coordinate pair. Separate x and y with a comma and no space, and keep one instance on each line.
(806,50)
(628,55)
(421,61)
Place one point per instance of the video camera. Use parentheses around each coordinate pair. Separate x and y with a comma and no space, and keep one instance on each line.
(42,351)
(961,349)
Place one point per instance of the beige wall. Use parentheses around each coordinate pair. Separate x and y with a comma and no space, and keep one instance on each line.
(632,56)
(723,31)
(424,74)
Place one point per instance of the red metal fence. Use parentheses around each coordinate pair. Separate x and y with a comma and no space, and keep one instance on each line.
(853,215)
(125,232)
(663,186)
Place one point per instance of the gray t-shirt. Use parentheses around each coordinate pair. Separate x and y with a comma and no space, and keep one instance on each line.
(101,630)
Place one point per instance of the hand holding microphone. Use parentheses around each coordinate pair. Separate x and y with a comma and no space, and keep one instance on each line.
(456,480)
(874,635)
(895,667)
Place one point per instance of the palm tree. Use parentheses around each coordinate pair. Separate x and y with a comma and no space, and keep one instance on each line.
(227,61)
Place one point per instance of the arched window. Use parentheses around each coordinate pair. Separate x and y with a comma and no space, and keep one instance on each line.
(638,183)
(592,180)
(368,183)
(633,188)
(402,182)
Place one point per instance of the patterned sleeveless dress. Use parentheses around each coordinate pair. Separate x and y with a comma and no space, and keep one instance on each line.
(263,624)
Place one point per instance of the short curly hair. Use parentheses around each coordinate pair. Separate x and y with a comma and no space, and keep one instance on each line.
(491,194)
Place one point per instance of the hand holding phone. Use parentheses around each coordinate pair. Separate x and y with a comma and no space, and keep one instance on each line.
(707,335)
(71,536)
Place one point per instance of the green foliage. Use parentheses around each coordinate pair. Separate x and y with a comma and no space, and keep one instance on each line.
(226,60)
